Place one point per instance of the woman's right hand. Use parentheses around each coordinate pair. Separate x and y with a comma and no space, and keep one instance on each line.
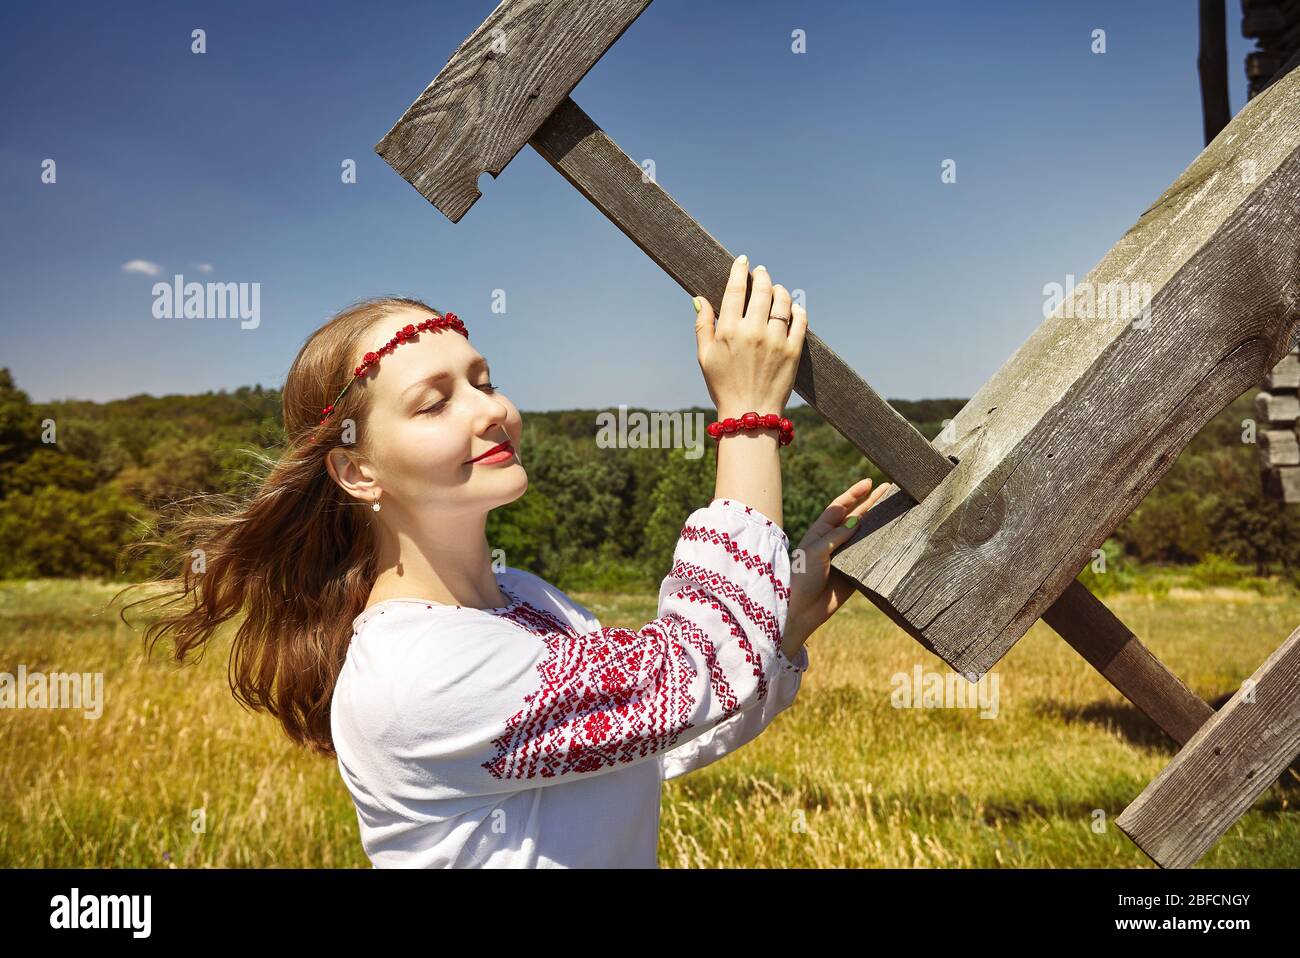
(750,357)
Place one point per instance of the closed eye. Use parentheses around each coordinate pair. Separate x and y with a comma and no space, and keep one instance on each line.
(437,407)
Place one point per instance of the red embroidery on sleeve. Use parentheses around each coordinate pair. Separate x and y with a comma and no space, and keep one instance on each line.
(719,585)
(749,509)
(738,554)
(537,621)
(597,705)
(591,710)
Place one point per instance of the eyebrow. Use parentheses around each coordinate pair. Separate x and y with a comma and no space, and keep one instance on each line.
(476,363)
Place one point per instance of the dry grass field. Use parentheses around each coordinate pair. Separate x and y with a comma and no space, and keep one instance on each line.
(176,773)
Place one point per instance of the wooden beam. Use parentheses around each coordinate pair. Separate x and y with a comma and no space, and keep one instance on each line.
(1216,777)
(1121,658)
(497,88)
(1283,483)
(591,161)
(614,183)
(1077,426)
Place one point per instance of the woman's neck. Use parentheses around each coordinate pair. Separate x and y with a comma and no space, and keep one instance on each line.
(458,575)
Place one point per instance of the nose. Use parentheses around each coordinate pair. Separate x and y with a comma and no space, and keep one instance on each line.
(493,415)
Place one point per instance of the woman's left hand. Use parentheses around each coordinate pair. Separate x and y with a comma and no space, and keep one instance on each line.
(814,594)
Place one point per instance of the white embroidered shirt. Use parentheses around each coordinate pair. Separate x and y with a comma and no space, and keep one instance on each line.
(531,736)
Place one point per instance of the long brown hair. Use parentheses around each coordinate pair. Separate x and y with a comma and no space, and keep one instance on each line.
(296,555)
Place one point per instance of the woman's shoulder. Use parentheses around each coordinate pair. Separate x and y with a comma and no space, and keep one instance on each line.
(403,648)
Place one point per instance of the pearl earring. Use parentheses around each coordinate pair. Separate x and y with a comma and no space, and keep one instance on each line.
(376,505)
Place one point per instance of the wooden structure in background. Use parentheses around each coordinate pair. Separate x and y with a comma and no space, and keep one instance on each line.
(1277,418)
(1275,27)
(1212,65)
(1008,462)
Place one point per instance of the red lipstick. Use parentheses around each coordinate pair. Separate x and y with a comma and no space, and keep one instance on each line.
(501,452)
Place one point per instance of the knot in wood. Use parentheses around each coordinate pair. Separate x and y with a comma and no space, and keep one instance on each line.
(981,521)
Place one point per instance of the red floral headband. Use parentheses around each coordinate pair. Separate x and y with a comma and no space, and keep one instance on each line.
(434,323)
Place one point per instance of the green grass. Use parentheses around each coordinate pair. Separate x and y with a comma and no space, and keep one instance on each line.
(841,779)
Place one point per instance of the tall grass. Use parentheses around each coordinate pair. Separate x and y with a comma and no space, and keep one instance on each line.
(176,773)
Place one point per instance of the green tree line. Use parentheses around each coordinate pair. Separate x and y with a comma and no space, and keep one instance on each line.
(80,481)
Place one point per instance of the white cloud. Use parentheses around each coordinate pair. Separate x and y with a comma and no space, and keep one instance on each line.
(142,266)
(203,267)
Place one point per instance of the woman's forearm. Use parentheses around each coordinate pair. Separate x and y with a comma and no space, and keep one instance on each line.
(749,467)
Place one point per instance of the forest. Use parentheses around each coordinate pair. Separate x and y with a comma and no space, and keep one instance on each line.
(81,481)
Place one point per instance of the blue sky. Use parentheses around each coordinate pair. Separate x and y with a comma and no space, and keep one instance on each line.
(823,166)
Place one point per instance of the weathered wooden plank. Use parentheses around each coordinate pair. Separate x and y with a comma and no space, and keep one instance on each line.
(1279,448)
(1078,425)
(581,152)
(496,90)
(1114,651)
(1227,764)
(590,160)
(1276,409)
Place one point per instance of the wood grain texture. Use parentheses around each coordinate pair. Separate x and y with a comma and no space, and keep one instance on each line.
(582,153)
(594,164)
(497,88)
(590,160)
(1227,764)
(1077,426)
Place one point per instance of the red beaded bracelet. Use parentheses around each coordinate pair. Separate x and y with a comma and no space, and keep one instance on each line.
(751,421)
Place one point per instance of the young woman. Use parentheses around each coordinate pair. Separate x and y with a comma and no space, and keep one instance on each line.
(482,717)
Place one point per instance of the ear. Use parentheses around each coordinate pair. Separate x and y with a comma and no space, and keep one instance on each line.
(355,477)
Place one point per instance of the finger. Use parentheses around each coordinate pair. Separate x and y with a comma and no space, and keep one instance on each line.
(831,540)
(733,298)
(838,510)
(853,496)
(849,520)
(760,301)
(846,530)
(703,326)
(778,324)
(798,326)
(869,503)
(824,537)
(885,490)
